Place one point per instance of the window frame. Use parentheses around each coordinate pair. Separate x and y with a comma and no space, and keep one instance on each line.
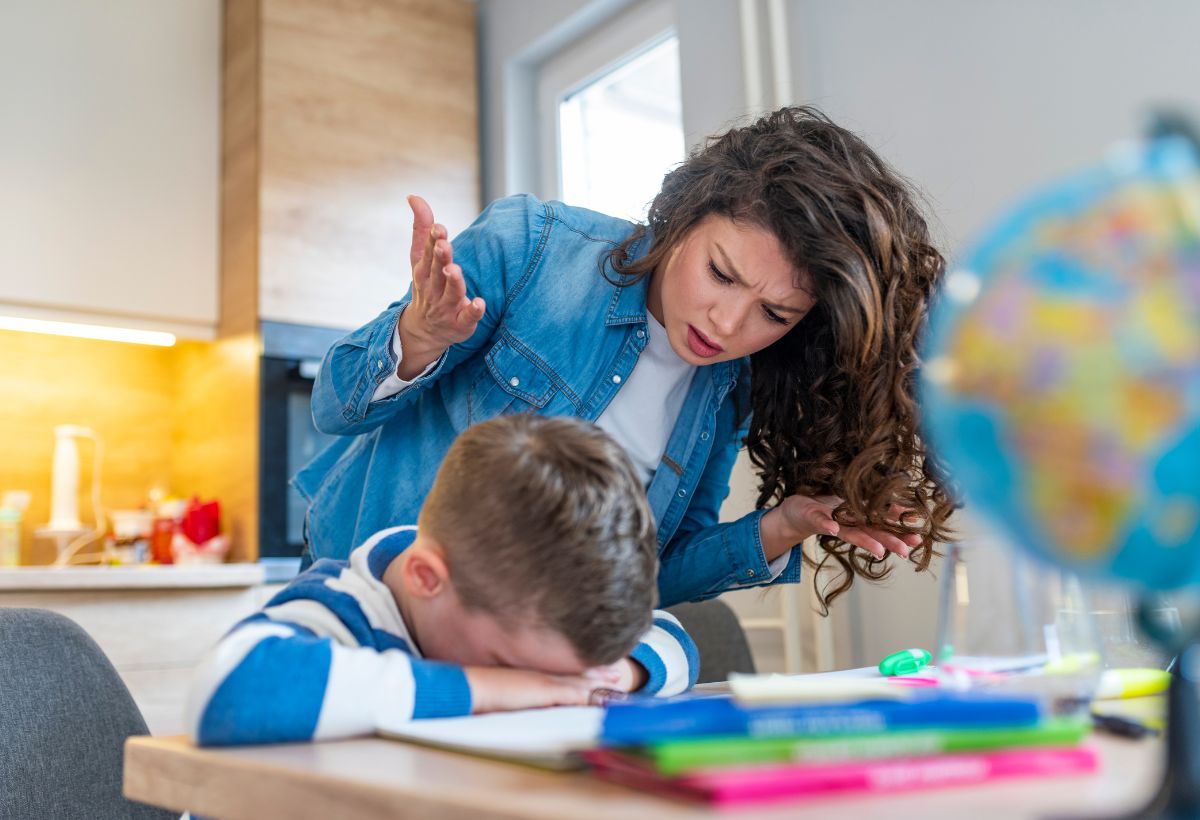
(602,50)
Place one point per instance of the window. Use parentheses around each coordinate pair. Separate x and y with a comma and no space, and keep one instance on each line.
(613,120)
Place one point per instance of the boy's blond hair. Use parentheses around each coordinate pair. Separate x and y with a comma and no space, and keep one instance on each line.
(545,523)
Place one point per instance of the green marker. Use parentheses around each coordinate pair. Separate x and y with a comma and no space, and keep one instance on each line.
(904,662)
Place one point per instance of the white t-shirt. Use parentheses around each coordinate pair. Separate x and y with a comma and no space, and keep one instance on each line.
(642,414)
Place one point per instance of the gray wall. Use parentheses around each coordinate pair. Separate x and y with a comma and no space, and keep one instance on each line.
(710,59)
(978,103)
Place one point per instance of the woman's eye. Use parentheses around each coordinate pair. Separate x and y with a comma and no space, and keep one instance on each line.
(720,277)
(774,317)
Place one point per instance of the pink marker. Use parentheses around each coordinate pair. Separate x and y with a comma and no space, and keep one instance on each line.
(914,680)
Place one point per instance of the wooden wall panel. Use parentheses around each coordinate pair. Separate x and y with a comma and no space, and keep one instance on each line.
(214,440)
(388,109)
(240,136)
(217,431)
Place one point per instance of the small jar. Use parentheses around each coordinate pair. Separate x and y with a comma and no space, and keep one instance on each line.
(160,540)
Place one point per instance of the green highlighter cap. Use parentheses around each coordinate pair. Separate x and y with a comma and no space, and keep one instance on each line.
(904,662)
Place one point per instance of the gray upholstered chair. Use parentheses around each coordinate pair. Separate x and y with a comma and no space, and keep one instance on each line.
(64,717)
(719,637)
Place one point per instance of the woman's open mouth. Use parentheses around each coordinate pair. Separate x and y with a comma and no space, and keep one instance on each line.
(700,344)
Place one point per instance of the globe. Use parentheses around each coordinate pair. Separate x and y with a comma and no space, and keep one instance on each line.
(1061,378)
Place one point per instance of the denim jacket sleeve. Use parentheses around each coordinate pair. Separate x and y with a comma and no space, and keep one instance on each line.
(496,253)
(705,558)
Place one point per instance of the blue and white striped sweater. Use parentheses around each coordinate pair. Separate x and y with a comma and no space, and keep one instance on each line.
(330,656)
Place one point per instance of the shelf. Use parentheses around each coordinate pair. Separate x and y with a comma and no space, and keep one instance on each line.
(198,576)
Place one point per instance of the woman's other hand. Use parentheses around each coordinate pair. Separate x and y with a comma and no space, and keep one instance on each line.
(440,313)
(799,516)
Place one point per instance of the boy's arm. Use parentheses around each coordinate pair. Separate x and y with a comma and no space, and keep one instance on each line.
(272,681)
(669,657)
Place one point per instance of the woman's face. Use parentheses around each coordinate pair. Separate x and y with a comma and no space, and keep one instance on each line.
(726,291)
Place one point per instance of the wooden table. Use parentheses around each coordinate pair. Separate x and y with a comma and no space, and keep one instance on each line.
(374,778)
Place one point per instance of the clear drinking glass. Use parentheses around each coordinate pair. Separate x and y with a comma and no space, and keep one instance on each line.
(1114,612)
(1010,624)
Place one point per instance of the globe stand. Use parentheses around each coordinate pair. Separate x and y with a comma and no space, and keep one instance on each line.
(1179,794)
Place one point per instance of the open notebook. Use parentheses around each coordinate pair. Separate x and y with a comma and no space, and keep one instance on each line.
(548,738)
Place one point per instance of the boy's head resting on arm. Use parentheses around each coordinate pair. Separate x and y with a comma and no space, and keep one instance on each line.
(535,550)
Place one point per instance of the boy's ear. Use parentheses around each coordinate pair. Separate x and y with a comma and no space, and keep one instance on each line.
(425,572)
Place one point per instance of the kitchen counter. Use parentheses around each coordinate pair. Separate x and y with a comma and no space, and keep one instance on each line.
(185,576)
(153,622)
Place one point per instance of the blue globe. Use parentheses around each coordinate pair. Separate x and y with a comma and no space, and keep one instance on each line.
(1062,370)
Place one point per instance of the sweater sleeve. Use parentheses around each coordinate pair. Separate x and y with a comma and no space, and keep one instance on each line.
(669,656)
(310,667)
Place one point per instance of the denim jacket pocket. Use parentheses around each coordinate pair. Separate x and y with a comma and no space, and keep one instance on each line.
(513,382)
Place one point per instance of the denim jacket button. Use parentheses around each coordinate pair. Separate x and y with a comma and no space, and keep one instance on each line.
(616,379)
(514,381)
(749,573)
(379,365)
(681,493)
(641,334)
(704,436)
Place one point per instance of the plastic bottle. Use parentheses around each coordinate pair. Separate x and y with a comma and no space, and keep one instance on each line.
(10,537)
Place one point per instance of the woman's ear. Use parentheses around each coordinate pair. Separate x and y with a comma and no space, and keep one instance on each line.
(425,573)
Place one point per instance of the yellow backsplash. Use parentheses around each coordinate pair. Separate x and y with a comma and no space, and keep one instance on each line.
(181,418)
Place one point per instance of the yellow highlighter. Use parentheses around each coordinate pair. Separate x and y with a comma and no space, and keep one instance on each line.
(1132,683)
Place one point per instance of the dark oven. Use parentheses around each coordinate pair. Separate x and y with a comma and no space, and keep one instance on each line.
(287,438)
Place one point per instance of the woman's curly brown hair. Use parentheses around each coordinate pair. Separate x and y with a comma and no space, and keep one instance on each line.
(833,407)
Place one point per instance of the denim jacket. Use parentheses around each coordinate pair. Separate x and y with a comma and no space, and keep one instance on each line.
(557,338)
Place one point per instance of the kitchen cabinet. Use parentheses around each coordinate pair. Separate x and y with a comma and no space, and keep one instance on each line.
(109,153)
(334,112)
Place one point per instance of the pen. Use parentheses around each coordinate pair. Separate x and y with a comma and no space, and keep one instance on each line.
(1122,727)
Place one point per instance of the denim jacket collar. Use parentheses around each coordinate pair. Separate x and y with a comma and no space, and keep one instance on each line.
(628,303)
(628,306)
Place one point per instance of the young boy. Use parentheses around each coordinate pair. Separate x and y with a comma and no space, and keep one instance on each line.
(528,581)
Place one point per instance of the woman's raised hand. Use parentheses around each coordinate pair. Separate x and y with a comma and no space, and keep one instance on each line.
(440,313)
(801,515)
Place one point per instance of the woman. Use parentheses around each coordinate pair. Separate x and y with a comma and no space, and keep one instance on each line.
(775,299)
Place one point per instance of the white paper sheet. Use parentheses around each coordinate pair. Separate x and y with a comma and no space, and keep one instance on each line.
(540,737)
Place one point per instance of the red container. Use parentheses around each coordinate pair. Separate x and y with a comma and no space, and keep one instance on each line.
(160,540)
(201,521)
